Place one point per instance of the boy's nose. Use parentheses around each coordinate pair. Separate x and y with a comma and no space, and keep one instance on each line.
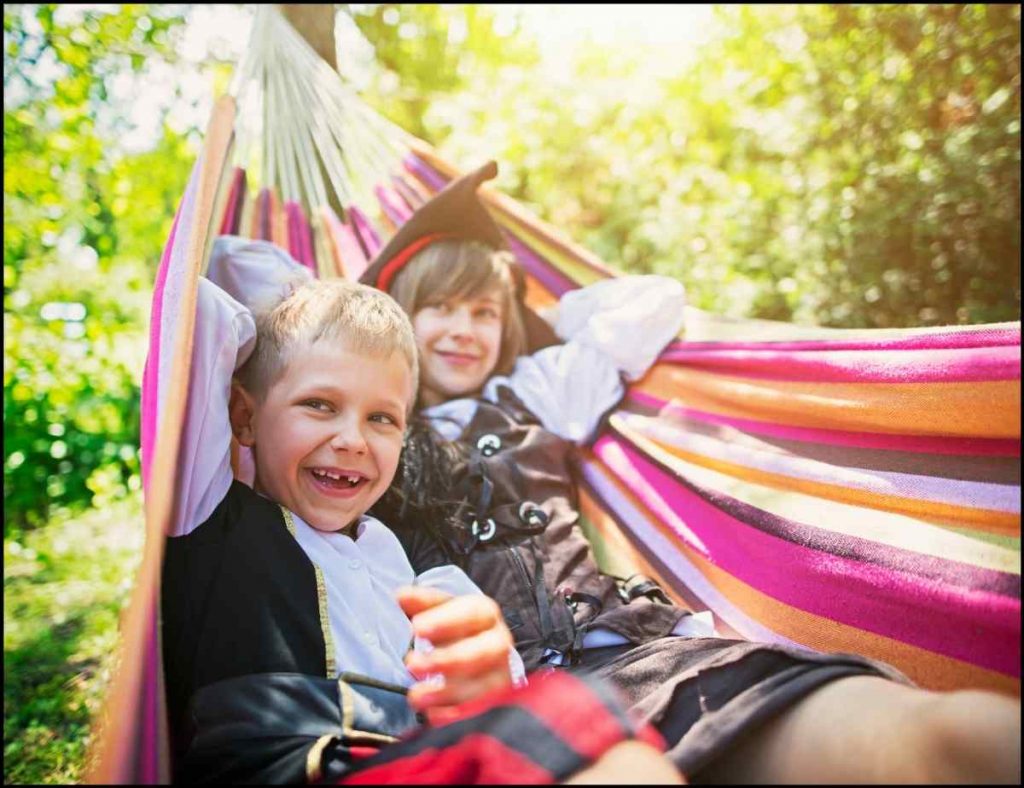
(349,437)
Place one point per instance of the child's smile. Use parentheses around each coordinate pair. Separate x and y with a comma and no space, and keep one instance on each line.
(459,342)
(328,434)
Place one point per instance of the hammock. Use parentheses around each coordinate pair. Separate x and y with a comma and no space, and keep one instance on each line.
(844,490)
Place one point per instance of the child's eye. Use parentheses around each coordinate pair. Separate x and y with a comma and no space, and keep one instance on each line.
(384,418)
(488,312)
(317,404)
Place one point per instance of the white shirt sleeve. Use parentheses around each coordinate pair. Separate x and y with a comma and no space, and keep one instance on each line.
(225,335)
(613,328)
(257,274)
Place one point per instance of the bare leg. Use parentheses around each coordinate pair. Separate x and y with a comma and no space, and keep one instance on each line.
(870,730)
(629,763)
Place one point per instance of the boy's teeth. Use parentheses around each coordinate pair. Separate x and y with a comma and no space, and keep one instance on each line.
(352,480)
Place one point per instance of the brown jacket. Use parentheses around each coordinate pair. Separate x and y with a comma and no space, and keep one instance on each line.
(519,539)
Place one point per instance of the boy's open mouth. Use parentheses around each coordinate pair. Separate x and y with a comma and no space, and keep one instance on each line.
(342,481)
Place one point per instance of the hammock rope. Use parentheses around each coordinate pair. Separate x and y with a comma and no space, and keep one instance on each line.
(840,489)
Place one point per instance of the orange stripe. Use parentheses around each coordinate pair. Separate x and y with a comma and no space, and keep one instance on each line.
(936,512)
(988,409)
(327,221)
(928,669)
(278,222)
(537,296)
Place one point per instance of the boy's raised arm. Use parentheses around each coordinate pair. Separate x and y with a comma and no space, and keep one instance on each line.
(225,334)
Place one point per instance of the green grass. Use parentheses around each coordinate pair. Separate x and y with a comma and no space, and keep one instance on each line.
(65,586)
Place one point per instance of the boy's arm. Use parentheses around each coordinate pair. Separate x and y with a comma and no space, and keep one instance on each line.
(613,329)
(257,274)
(224,337)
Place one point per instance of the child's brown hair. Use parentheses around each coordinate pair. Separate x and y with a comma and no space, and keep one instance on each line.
(464,269)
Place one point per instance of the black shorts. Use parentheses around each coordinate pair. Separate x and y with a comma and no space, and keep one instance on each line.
(702,694)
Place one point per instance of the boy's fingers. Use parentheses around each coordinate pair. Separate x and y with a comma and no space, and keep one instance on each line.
(425,695)
(415,599)
(466,658)
(458,617)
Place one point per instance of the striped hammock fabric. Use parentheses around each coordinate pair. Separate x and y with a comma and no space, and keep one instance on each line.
(844,490)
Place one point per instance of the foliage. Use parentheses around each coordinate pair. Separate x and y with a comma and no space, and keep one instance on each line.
(424,51)
(84,222)
(829,164)
(64,588)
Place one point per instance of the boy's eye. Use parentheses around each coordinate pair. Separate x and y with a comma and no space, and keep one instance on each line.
(317,404)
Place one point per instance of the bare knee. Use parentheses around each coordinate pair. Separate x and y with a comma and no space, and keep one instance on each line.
(970,736)
(629,763)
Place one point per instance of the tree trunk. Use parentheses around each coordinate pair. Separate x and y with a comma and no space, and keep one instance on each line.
(315,23)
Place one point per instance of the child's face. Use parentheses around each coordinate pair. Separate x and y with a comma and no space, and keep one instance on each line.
(459,342)
(328,435)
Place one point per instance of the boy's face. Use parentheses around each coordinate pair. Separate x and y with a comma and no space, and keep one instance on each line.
(459,343)
(328,435)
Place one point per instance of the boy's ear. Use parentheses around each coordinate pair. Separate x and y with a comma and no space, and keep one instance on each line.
(242,413)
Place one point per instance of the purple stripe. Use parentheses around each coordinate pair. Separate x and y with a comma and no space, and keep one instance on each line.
(409,197)
(392,206)
(923,611)
(842,366)
(985,447)
(232,214)
(948,338)
(263,214)
(150,373)
(364,231)
(424,172)
(550,278)
(944,488)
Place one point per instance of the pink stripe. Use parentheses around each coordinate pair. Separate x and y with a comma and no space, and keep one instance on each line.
(871,597)
(983,447)
(365,232)
(940,338)
(306,239)
(151,370)
(353,259)
(833,366)
(291,222)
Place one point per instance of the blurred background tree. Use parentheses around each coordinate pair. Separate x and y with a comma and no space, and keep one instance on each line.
(853,166)
(828,164)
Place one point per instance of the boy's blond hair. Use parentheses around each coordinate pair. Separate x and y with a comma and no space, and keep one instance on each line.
(464,269)
(367,320)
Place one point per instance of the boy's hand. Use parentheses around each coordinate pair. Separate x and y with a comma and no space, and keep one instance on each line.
(471,648)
